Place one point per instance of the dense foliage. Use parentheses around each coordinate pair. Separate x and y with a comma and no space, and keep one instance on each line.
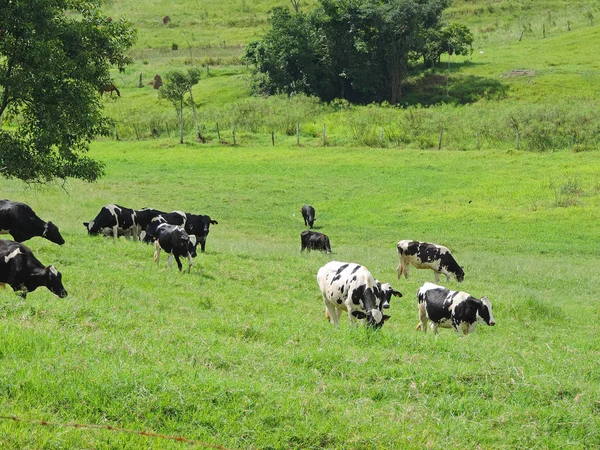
(359,50)
(53,59)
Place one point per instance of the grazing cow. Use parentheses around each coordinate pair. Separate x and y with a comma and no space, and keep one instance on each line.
(24,273)
(115,220)
(446,308)
(308,214)
(428,256)
(350,287)
(311,240)
(176,242)
(19,220)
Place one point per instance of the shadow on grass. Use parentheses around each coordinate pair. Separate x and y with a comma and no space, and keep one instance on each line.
(452,88)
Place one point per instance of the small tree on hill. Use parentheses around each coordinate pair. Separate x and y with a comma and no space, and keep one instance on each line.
(176,85)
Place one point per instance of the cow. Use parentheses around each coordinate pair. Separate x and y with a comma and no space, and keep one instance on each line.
(143,217)
(172,218)
(311,240)
(445,308)
(176,242)
(308,214)
(193,224)
(19,220)
(423,255)
(114,219)
(20,269)
(199,226)
(351,287)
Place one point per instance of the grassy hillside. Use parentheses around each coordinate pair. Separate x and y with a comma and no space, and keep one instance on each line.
(239,353)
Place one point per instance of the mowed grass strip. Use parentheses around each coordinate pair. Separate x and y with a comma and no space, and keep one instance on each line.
(239,352)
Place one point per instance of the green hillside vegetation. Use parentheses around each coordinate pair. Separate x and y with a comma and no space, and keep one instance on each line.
(510,81)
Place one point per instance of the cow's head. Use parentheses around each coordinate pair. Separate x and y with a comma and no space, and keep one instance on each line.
(192,244)
(459,274)
(52,234)
(369,300)
(54,281)
(375,319)
(91,227)
(385,295)
(484,311)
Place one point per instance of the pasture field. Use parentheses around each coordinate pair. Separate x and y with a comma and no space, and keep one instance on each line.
(239,353)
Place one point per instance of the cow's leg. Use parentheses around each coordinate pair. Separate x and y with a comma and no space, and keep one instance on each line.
(434,327)
(334,317)
(405,270)
(189,258)
(399,269)
(437,276)
(179,265)
(115,231)
(422,319)
(156,252)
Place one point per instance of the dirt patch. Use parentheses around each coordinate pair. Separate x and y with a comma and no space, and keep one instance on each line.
(519,73)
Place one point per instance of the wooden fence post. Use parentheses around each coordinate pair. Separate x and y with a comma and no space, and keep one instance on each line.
(440,141)
(116,132)
(218,132)
(518,140)
(273,138)
(298,134)
(167,127)
(233,132)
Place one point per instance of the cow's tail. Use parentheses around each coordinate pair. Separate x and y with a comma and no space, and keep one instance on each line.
(400,268)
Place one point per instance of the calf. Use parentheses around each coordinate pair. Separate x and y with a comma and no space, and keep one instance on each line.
(311,240)
(22,223)
(446,308)
(308,213)
(428,256)
(24,273)
(350,287)
(115,220)
(176,242)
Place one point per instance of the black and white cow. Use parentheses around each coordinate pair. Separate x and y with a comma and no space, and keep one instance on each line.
(423,255)
(113,220)
(172,218)
(143,217)
(176,242)
(452,309)
(351,287)
(308,214)
(199,226)
(20,269)
(19,220)
(311,240)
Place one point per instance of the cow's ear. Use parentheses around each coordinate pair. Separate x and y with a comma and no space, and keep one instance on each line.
(85,224)
(359,314)
(397,293)
(386,317)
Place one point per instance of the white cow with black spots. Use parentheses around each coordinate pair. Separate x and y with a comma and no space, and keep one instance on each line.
(352,288)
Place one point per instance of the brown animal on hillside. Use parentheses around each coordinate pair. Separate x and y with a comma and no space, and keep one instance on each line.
(109,88)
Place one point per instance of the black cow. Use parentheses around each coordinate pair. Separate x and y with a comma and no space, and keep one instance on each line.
(423,255)
(446,308)
(143,217)
(308,213)
(19,220)
(113,219)
(176,242)
(199,226)
(311,240)
(24,273)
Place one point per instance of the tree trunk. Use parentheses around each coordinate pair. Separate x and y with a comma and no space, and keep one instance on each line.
(199,136)
(181,122)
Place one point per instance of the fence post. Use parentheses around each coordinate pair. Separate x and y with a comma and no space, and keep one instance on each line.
(440,141)
(273,138)
(233,132)
(140,82)
(324,134)
(116,132)
(298,134)
(518,141)
(544,30)
(218,132)
(167,127)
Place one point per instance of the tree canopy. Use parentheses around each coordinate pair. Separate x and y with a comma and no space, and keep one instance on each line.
(55,55)
(360,50)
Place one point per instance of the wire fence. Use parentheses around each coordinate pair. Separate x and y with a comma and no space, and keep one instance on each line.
(113,429)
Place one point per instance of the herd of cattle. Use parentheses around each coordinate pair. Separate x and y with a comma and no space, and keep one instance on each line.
(347,287)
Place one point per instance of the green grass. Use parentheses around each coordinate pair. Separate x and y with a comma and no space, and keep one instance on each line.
(239,352)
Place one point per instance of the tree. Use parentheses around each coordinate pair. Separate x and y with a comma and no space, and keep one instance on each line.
(360,50)
(54,57)
(452,39)
(176,85)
